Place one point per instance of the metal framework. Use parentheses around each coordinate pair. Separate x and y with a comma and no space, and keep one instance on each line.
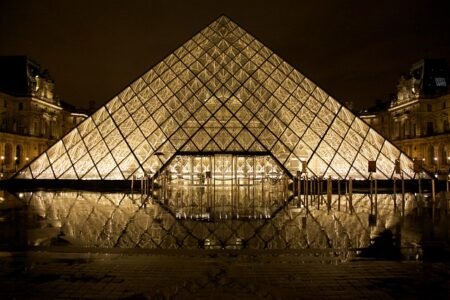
(221,91)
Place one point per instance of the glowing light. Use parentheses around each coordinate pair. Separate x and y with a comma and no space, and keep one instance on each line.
(223,109)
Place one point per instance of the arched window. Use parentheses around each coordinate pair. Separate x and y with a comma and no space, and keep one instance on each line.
(8,154)
(430,156)
(19,154)
(446,125)
(443,154)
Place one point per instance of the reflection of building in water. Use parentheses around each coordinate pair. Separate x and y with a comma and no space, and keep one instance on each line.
(417,119)
(121,220)
(224,186)
(221,93)
(31,115)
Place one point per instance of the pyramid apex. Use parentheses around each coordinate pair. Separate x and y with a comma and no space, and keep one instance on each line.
(222,18)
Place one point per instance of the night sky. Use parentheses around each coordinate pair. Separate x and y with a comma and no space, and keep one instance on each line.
(354,50)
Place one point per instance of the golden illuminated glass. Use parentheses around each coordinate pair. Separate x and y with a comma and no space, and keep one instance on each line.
(221,91)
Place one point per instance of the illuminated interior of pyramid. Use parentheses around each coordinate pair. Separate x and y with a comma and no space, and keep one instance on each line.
(222,98)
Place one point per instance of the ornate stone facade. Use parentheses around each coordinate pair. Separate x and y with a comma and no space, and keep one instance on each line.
(31,116)
(417,118)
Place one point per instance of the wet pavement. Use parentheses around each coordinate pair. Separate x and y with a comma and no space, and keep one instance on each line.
(86,245)
(200,274)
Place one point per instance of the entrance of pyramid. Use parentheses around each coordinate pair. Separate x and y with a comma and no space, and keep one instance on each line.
(222,186)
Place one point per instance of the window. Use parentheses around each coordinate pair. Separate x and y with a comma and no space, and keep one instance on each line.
(431,155)
(443,154)
(430,128)
(429,108)
(8,154)
(20,106)
(440,81)
(18,157)
(444,105)
(5,104)
(446,125)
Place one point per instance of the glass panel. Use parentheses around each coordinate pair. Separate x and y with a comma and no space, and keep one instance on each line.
(39,165)
(92,139)
(127,127)
(77,151)
(325,152)
(100,115)
(120,151)
(385,166)
(317,166)
(142,152)
(333,139)
(69,174)
(99,151)
(83,165)
(46,174)
(129,166)
(56,151)
(106,165)
(245,139)
(340,165)
(86,127)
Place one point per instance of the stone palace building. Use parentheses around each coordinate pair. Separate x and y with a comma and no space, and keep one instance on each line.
(31,116)
(416,119)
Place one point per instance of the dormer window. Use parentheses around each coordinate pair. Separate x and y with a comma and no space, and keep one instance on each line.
(440,81)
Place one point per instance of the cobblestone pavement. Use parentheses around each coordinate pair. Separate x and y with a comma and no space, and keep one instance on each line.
(215,275)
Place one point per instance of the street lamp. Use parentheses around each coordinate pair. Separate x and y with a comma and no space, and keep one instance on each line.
(3,163)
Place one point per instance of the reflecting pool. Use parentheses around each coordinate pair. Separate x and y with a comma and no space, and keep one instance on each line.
(117,220)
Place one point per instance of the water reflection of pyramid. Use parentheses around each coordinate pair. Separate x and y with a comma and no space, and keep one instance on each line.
(222,91)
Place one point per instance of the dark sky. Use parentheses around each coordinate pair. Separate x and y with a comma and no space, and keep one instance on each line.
(354,50)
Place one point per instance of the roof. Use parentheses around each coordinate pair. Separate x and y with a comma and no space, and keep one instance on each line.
(16,74)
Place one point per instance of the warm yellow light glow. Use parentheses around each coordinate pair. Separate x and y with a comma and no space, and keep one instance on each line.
(221,92)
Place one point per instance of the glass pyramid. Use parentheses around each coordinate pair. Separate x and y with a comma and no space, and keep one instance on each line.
(222,91)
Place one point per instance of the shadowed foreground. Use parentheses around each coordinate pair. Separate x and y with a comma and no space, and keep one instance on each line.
(216,274)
